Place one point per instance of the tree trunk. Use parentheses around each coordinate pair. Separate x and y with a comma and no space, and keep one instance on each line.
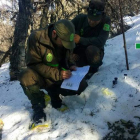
(23,23)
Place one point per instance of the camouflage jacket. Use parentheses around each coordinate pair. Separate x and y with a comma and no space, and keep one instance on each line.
(46,58)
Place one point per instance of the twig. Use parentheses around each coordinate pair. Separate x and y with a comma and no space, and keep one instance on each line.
(137,106)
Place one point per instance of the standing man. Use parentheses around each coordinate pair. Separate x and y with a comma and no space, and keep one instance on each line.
(92,31)
(48,64)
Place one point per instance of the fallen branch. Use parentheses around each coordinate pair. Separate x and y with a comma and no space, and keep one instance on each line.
(137,106)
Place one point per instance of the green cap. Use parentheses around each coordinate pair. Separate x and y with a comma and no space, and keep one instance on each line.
(66,31)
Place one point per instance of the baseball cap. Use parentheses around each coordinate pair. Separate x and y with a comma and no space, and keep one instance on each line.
(65,31)
(96,9)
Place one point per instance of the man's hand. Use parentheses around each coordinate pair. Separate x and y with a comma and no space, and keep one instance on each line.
(75,57)
(76,38)
(73,68)
(66,74)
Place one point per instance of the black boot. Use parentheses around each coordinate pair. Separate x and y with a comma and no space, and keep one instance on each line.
(38,114)
(38,117)
(55,99)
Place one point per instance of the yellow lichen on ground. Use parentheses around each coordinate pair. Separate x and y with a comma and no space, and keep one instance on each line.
(1,124)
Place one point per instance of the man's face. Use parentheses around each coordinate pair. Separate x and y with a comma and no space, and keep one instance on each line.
(56,39)
(93,23)
(59,42)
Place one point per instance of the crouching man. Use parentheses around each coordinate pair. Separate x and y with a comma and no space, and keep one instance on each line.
(92,31)
(48,64)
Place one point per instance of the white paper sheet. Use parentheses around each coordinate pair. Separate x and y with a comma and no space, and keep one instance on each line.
(74,81)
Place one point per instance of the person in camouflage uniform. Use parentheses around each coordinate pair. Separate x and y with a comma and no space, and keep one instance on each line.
(91,33)
(48,64)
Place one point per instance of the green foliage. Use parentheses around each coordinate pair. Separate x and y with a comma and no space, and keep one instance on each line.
(122,130)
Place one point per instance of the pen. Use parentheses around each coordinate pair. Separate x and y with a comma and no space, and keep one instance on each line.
(63,69)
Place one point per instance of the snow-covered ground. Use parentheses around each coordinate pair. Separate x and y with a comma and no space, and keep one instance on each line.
(88,113)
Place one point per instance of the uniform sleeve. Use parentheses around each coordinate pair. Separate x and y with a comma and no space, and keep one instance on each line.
(100,40)
(34,60)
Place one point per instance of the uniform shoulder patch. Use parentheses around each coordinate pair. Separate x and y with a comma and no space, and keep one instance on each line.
(106,27)
(71,37)
(49,57)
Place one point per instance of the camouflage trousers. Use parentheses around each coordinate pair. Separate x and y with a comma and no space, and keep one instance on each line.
(90,55)
(32,82)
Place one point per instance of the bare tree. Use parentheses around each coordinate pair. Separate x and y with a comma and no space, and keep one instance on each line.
(22,31)
(7,25)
